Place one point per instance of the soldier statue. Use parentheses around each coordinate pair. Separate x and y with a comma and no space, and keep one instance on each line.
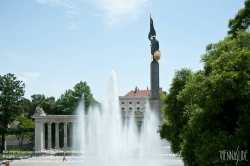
(154,42)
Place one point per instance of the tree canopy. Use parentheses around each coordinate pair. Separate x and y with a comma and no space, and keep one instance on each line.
(173,110)
(24,129)
(11,92)
(208,111)
(65,105)
(68,101)
(241,21)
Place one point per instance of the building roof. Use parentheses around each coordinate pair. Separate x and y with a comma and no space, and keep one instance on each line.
(138,93)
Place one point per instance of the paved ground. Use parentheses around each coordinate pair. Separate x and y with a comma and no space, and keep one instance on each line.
(48,160)
(81,161)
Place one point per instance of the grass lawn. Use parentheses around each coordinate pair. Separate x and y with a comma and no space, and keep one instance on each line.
(9,154)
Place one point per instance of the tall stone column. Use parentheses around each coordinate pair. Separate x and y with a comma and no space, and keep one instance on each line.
(154,78)
(38,136)
(65,136)
(77,138)
(155,102)
(74,133)
(57,135)
(49,136)
(43,136)
(156,105)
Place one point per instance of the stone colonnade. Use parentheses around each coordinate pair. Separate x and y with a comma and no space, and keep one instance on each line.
(42,119)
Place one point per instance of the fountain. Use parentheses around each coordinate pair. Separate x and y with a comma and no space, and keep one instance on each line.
(109,140)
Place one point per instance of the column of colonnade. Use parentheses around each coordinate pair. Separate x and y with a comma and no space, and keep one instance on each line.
(43,136)
(74,136)
(49,136)
(65,140)
(57,135)
(40,135)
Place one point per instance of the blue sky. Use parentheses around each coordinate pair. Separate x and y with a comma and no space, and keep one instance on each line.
(53,44)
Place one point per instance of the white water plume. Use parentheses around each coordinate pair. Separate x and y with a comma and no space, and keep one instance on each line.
(112,140)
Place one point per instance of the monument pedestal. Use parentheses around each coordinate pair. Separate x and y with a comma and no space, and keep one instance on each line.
(155,102)
(156,106)
(154,79)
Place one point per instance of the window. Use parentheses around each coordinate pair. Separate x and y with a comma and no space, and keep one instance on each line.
(122,108)
(130,102)
(138,102)
(122,102)
(138,108)
(130,108)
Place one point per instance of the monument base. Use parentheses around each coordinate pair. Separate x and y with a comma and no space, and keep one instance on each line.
(156,106)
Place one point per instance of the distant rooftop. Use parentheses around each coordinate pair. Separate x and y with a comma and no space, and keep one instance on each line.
(138,92)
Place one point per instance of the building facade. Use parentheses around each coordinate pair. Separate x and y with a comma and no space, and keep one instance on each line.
(135,102)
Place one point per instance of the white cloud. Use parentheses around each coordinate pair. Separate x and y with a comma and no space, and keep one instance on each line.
(115,11)
(73,26)
(69,5)
(112,11)
(29,77)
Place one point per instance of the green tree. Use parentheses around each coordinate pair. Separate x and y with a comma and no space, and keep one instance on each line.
(215,103)
(68,101)
(82,90)
(48,104)
(24,129)
(38,98)
(11,91)
(241,21)
(173,111)
(48,107)
(27,108)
